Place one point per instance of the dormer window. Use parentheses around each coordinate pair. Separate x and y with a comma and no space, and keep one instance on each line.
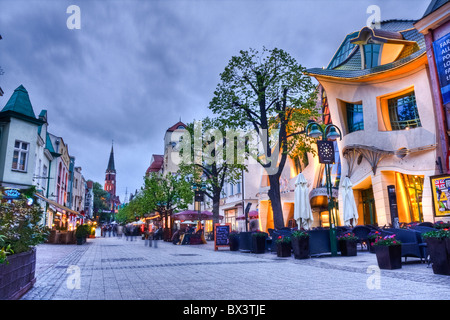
(371,55)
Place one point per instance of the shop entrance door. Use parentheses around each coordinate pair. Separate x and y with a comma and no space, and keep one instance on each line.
(369,211)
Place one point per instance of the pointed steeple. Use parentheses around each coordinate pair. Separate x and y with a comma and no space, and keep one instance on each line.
(111,167)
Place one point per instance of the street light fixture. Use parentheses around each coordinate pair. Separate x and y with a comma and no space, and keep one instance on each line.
(325,149)
(199,189)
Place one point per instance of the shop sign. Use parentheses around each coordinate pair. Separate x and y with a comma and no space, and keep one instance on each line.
(440,188)
(441,49)
(11,193)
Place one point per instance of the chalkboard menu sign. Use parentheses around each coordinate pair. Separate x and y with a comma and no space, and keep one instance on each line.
(221,232)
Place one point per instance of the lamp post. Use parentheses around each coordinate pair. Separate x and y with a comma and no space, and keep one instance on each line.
(199,189)
(325,149)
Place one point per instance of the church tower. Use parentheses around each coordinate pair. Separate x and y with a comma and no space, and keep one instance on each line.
(110,179)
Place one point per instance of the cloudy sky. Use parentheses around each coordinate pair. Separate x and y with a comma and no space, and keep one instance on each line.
(136,67)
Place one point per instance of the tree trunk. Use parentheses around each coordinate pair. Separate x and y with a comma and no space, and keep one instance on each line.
(216,207)
(275,199)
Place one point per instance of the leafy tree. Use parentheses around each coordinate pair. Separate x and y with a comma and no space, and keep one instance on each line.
(269,93)
(101,198)
(214,168)
(163,193)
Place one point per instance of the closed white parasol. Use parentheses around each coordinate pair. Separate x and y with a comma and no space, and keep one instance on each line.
(302,208)
(350,210)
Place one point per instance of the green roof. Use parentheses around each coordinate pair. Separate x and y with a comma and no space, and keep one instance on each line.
(49,144)
(20,103)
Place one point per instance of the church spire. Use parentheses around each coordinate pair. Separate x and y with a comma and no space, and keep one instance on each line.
(111,167)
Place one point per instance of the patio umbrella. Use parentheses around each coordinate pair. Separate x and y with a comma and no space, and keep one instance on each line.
(193,215)
(302,207)
(349,205)
(188,222)
(251,215)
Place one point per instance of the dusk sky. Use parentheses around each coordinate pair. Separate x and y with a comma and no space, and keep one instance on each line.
(134,68)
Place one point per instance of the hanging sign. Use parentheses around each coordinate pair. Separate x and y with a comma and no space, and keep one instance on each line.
(325,150)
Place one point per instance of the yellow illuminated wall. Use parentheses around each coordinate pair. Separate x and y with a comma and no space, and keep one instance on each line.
(265,216)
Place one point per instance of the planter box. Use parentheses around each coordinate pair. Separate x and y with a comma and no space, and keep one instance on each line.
(258,244)
(347,248)
(389,257)
(234,243)
(18,276)
(245,241)
(284,249)
(81,240)
(300,247)
(370,246)
(439,255)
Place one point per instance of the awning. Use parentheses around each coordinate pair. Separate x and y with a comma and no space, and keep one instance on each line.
(59,207)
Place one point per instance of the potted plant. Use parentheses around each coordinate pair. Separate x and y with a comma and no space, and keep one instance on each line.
(82,233)
(347,244)
(21,231)
(389,252)
(259,242)
(441,225)
(300,244)
(283,246)
(233,238)
(372,237)
(438,246)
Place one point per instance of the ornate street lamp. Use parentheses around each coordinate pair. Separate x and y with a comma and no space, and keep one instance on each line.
(199,189)
(325,150)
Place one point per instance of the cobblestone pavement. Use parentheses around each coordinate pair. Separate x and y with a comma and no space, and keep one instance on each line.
(119,269)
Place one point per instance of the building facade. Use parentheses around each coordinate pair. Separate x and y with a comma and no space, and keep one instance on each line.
(31,156)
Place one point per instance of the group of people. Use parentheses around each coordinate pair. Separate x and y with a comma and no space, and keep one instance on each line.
(107,229)
(188,232)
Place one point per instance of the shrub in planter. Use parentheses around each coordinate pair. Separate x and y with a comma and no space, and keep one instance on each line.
(438,246)
(300,244)
(441,225)
(283,246)
(20,231)
(347,244)
(233,238)
(389,252)
(81,233)
(259,242)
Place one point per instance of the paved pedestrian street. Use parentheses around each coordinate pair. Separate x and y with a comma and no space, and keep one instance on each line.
(118,269)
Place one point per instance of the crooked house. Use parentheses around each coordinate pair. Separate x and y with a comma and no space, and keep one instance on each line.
(377,91)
